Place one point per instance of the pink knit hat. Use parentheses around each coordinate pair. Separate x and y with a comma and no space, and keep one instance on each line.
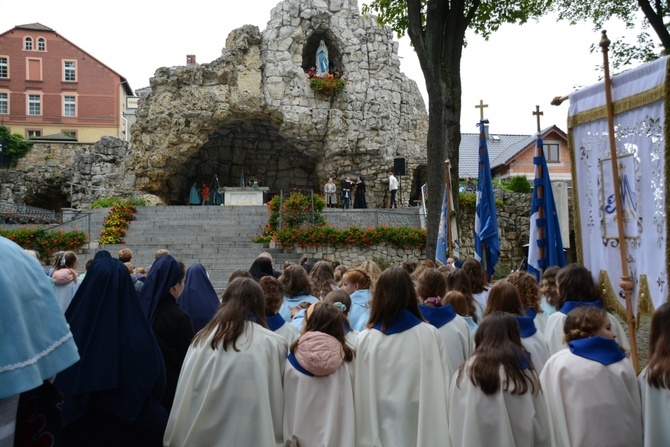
(319,353)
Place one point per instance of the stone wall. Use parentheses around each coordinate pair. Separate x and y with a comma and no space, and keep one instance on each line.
(42,177)
(354,256)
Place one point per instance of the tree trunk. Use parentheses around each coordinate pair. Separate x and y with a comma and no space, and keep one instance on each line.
(444,137)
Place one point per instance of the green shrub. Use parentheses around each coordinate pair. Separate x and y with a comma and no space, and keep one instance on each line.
(296,211)
(519,184)
(108,202)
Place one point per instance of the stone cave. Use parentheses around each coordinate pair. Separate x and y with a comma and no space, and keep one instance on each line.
(246,151)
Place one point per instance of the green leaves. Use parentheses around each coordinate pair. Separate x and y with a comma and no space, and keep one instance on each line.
(13,145)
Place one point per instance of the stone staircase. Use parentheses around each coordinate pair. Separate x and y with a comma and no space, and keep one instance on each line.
(218,237)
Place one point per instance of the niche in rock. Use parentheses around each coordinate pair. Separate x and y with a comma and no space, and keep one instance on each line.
(246,151)
(334,55)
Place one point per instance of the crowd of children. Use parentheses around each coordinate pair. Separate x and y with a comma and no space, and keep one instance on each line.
(321,355)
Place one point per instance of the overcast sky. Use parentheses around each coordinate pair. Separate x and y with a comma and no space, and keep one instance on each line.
(518,68)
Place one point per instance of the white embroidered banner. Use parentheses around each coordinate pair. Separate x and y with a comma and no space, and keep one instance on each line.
(639,98)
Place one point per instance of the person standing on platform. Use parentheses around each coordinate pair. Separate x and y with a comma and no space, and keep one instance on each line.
(346,186)
(329,190)
(359,196)
(393,188)
(204,192)
(194,195)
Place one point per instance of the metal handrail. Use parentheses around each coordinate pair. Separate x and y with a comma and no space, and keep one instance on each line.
(25,214)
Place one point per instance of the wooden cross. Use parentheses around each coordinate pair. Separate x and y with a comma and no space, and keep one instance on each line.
(538,113)
(481,109)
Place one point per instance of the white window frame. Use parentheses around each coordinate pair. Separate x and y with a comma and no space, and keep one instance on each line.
(547,153)
(28,43)
(35,132)
(69,70)
(4,67)
(4,103)
(69,103)
(31,100)
(41,44)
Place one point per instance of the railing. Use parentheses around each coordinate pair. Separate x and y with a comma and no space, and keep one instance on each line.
(20,214)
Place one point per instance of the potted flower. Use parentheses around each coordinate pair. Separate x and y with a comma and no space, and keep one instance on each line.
(326,85)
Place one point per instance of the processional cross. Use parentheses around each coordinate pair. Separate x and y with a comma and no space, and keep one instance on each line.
(481,109)
(537,113)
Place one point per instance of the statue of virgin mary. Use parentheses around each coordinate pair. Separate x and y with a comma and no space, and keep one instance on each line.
(322,59)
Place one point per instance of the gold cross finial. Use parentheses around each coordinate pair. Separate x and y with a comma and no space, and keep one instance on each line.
(537,113)
(481,109)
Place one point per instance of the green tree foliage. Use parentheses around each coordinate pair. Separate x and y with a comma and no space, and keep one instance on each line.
(650,18)
(437,29)
(13,145)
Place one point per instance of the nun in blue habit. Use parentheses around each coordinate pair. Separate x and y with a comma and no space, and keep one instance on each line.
(199,299)
(36,341)
(172,326)
(113,394)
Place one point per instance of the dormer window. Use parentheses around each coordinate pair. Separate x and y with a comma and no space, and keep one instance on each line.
(41,44)
(28,43)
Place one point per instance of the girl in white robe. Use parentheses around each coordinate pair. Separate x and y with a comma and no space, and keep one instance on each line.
(590,389)
(230,387)
(495,397)
(576,288)
(458,281)
(344,302)
(529,292)
(464,307)
(318,383)
(431,286)
(357,283)
(473,269)
(654,381)
(297,289)
(504,297)
(401,371)
(274,293)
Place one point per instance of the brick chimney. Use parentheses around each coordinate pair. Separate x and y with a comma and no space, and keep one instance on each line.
(190,59)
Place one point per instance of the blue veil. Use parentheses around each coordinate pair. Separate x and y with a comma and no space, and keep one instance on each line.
(199,298)
(121,363)
(163,274)
(36,341)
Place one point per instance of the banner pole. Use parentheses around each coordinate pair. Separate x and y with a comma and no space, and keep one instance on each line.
(539,174)
(626,283)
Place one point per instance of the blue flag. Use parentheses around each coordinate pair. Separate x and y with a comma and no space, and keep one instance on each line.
(487,241)
(442,244)
(545,246)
